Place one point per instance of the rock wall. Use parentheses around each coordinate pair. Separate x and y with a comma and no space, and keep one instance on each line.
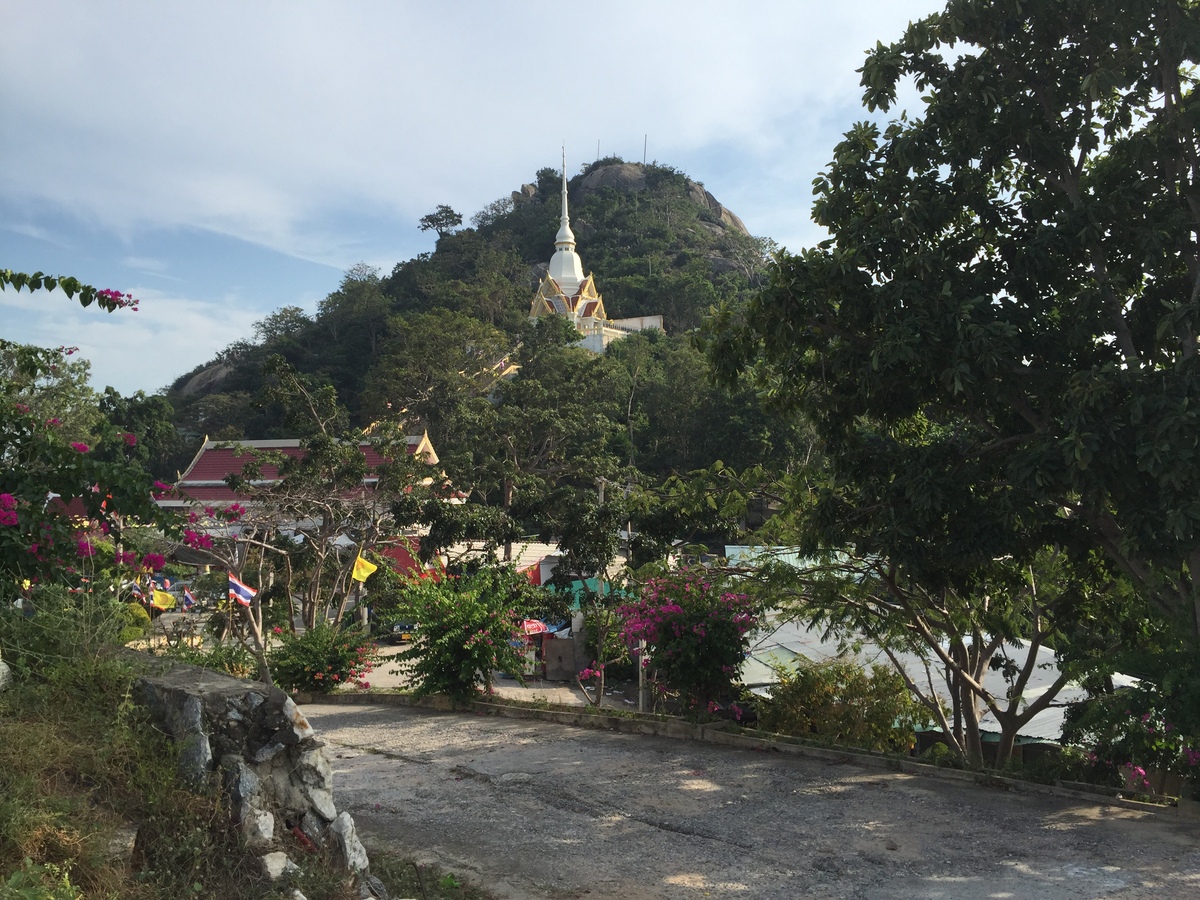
(257,745)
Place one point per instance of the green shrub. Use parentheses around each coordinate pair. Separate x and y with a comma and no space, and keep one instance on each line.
(939,754)
(136,622)
(466,629)
(842,702)
(320,660)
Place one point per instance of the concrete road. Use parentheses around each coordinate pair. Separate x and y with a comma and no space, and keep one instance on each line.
(537,810)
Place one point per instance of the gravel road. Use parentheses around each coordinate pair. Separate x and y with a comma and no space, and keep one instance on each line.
(532,809)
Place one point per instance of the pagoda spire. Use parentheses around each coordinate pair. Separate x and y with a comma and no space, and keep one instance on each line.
(566,268)
(565,239)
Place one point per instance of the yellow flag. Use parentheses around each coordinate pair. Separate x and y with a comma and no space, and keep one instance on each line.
(362,569)
(163,600)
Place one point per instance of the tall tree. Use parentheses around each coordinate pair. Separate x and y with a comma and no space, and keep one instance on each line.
(998,341)
(438,369)
(552,426)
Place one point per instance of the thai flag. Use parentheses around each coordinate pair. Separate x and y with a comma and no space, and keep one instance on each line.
(137,592)
(188,600)
(242,593)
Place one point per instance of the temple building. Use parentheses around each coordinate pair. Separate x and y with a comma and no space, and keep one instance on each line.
(566,291)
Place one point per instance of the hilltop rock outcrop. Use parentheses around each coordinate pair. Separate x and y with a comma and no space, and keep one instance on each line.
(631,177)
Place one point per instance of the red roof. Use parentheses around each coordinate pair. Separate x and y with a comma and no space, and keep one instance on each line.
(215,461)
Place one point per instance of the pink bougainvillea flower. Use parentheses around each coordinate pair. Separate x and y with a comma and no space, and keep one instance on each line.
(8,509)
(197,540)
(153,561)
(118,300)
(81,447)
(85,548)
(129,438)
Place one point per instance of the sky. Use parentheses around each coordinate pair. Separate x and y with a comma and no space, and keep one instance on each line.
(221,160)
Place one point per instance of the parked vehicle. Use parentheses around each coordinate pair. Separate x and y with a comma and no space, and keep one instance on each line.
(402,633)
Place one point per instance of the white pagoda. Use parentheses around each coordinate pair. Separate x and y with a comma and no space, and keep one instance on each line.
(566,291)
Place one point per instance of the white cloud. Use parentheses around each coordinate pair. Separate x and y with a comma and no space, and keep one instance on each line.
(131,350)
(325,130)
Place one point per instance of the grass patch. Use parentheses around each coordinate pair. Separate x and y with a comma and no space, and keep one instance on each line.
(82,772)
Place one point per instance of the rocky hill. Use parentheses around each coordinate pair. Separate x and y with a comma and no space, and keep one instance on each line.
(655,239)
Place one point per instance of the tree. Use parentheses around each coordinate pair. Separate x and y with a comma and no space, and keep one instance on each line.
(443,220)
(552,425)
(145,431)
(944,643)
(54,390)
(321,500)
(436,368)
(285,323)
(997,344)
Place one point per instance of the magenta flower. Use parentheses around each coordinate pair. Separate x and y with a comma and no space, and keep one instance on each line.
(8,509)
(85,548)
(82,448)
(130,439)
(197,540)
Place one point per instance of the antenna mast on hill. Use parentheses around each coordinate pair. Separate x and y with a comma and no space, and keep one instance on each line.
(645,141)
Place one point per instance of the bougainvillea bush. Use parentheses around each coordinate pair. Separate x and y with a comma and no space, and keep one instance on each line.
(696,630)
(1133,737)
(41,471)
(320,660)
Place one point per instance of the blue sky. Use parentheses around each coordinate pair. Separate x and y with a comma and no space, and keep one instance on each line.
(220,160)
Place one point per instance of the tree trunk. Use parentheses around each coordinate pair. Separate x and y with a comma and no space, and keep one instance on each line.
(972,737)
(508,498)
(1008,740)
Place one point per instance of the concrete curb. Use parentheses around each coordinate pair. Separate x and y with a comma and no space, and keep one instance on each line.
(717,733)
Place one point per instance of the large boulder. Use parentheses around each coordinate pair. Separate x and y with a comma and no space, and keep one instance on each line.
(624,177)
(206,381)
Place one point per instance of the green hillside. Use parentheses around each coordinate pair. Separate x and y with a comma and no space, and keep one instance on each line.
(429,341)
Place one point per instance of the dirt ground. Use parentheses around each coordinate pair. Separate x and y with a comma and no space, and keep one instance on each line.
(536,810)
